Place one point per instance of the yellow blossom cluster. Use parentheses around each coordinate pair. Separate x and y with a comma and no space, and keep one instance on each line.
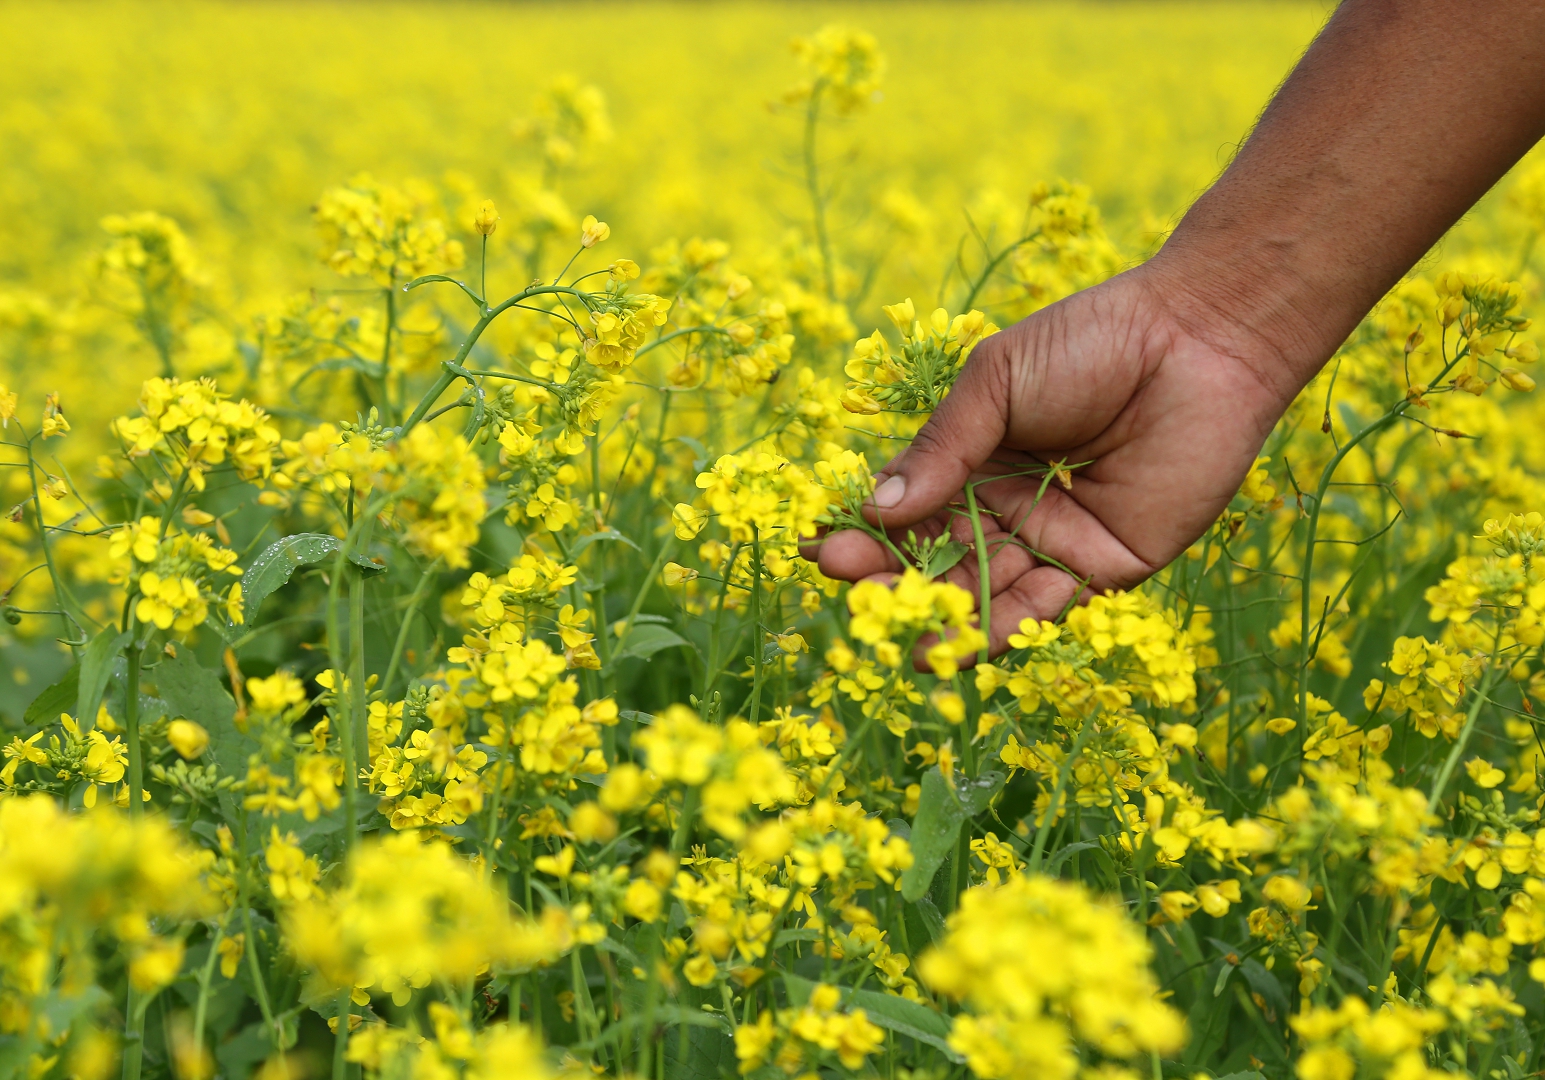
(1089,987)
(383,232)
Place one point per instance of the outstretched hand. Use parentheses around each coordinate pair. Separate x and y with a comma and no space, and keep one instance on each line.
(1167,401)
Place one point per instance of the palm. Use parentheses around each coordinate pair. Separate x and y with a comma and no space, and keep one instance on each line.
(1168,423)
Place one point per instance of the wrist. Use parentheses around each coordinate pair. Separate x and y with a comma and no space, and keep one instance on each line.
(1247,302)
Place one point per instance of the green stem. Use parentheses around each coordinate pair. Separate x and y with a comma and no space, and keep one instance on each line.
(60,592)
(1451,762)
(357,716)
(756,625)
(984,581)
(643,590)
(259,989)
(134,1034)
(684,826)
(451,370)
(1307,581)
(386,355)
(598,596)
(1044,832)
(205,977)
(131,728)
(407,622)
(341,1039)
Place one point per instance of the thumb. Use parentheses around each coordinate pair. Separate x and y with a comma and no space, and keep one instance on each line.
(957,440)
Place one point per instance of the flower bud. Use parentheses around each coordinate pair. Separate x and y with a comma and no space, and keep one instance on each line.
(1526,352)
(487,219)
(187,738)
(688,520)
(1514,379)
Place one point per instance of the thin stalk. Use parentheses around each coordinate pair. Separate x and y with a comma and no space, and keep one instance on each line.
(451,370)
(407,622)
(1305,599)
(131,728)
(664,553)
(1451,762)
(1044,832)
(134,1034)
(984,582)
(357,713)
(260,990)
(756,624)
(205,977)
(598,597)
(386,355)
(48,556)
(341,1039)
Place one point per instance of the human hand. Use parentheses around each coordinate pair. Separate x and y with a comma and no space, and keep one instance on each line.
(1169,402)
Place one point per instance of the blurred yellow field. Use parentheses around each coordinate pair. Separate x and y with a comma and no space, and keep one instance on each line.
(414,419)
(232,119)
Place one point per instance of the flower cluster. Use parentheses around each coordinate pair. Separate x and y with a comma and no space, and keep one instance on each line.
(383,232)
(1089,987)
(919,376)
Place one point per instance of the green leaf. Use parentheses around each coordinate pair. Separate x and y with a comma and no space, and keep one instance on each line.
(58,698)
(279,561)
(604,534)
(975,794)
(943,557)
(1064,853)
(905,1018)
(925,924)
(96,666)
(934,832)
(646,639)
(194,692)
(888,1011)
(710,1051)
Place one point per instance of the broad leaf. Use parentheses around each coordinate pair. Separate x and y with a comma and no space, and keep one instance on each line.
(940,556)
(934,832)
(904,1017)
(646,639)
(96,667)
(194,692)
(975,794)
(279,561)
(1063,854)
(58,698)
(604,534)
(924,924)
(940,812)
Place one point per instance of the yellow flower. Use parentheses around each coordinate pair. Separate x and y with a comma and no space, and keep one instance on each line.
(487,219)
(593,232)
(187,738)
(1484,773)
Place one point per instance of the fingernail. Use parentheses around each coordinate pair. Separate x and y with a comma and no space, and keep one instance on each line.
(891,492)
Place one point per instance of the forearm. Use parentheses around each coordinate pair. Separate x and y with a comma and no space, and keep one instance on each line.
(1401,115)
